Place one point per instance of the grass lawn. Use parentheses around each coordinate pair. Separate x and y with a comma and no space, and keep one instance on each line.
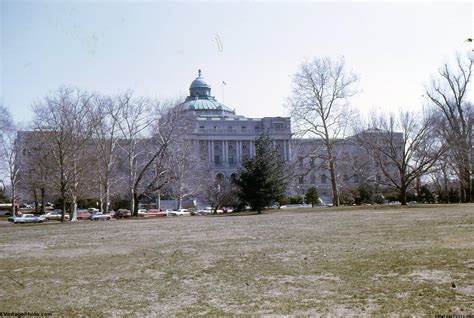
(365,261)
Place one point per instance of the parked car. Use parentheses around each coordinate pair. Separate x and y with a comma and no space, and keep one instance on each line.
(55,215)
(93,210)
(179,212)
(5,213)
(202,212)
(26,218)
(99,216)
(141,212)
(122,214)
(155,213)
(83,214)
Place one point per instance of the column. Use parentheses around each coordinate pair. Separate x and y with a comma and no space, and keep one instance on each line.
(225,152)
(209,151)
(212,150)
(238,150)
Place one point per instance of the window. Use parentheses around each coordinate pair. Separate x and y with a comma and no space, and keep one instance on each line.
(219,177)
(229,128)
(215,128)
(356,178)
(257,128)
(278,126)
(301,180)
(323,179)
(244,128)
(217,159)
(201,128)
(300,162)
(311,163)
(313,179)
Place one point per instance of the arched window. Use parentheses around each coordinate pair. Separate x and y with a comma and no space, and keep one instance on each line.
(219,177)
(323,179)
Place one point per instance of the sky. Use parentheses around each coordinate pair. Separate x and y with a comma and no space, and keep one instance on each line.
(156,49)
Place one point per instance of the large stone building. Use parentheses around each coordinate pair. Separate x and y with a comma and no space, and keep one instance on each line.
(221,140)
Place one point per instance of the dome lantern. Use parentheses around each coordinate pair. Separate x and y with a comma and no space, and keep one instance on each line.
(199,87)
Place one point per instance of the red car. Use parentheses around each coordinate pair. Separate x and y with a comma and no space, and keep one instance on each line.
(155,212)
(83,214)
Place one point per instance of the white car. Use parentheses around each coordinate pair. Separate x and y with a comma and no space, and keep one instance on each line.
(27,218)
(100,216)
(202,212)
(54,215)
(179,212)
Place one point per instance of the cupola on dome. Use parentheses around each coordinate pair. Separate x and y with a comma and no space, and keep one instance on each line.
(199,82)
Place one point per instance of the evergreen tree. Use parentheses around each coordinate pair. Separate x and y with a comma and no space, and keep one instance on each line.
(261,179)
(312,196)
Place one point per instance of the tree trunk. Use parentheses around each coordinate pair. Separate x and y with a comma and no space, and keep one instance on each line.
(403,194)
(42,201)
(332,172)
(132,202)
(136,204)
(101,200)
(445,184)
(107,196)
(63,209)
(14,209)
(466,185)
(35,196)
(74,209)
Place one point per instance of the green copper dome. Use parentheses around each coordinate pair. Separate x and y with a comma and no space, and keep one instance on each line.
(205,104)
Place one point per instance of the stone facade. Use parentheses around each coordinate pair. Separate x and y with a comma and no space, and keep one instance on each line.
(224,139)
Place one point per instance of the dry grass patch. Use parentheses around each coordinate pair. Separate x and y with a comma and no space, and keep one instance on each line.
(323,261)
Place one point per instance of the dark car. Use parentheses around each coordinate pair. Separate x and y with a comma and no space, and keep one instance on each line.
(122,214)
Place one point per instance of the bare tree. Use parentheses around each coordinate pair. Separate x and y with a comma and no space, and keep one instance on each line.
(105,136)
(9,150)
(448,94)
(133,118)
(319,107)
(402,148)
(65,126)
(186,170)
(36,169)
(442,176)
(221,192)
(136,115)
